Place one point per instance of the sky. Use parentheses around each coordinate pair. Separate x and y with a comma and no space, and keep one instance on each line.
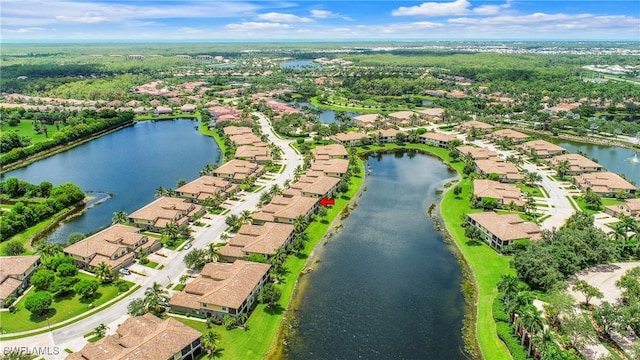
(231,20)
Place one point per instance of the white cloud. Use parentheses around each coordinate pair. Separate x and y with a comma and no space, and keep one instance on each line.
(283,18)
(321,14)
(250,26)
(86,19)
(434,9)
(491,9)
(24,30)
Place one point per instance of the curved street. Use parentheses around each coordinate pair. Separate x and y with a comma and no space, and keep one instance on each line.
(71,336)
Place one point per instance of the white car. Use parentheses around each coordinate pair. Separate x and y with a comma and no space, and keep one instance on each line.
(125,271)
(187,247)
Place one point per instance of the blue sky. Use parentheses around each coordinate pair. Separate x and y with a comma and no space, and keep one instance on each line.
(231,20)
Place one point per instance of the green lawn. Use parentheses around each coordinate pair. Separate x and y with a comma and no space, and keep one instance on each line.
(63,308)
(263,323)
(531,190)
(25,128)
(223,148)
(605,202)
(151,264)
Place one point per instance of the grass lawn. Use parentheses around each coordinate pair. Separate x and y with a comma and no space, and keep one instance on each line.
(25,128)
(223,148)
(264,323)
(485,263)
(605,202)
(532,190)
(176,243)
(151,264)
(62,308)
(25,236)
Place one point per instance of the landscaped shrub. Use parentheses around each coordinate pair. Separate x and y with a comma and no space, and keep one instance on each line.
(511,340)
(123,287)
(9,300)
(67,269)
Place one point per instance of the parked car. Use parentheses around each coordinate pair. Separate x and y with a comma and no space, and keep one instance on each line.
(188,246)
(125,271)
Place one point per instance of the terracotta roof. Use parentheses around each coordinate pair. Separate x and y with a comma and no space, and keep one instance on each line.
(286,207)
(476,124)
(577,162)
(245,139)
(224,284)
(265,239)
(253,152)
(237,167)
(507,227)
(205,186)
(432,112)
(438,136)
(401,115)
(350,136)
(508,133)
(477,152)
(319,186)
(12,267)
(329,151)
(506,193)
(388,132)
(142,338)
(167,208)
(236,130)
(330,166)
(502,168)
(542,147)
(366,118)
(603,182)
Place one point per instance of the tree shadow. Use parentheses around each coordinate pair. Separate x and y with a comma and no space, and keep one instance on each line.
(216,355)
(88,300)
(43,318)
(302,256)
(345,197)
(64,296)
(474,243)
(274,310)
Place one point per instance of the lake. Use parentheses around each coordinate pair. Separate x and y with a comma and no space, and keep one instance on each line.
(123,169)
(326,116)
(386,286)
(615,159)
(300,64)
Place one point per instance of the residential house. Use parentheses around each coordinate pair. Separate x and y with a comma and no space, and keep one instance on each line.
(156,215)
(387,136)
(515,137)
(477,153)
(117,246)
(577,163)
(542,148)
(15,272)
(438,139)
(145,337)
(350,138)
(236,130)
(630,207)
(258,154)
(405,118)
(206,187)
(222,289)
(505,193)
(262,240)
(434,115)
(332,151)
(329,167)
(607,184)
(188,108)
(286,209)
(369,121)
(479,126)
(237,170)
(506,171)
(502,230)
(163,110)
(317,187)
(247,139)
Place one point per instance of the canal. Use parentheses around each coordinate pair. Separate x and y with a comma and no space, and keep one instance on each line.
(122,170)
(386,286)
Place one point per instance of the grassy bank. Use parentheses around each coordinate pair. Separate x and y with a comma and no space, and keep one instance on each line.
(485,263)
(213,133)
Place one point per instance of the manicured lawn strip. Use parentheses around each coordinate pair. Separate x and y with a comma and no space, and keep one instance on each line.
(25,237)
(151,264)
(485,263)
(25,128)
(532,190)
(205,131)
(64,308)
(605,202)
(263,324)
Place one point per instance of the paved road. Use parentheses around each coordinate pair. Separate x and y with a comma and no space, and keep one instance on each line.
(72,336)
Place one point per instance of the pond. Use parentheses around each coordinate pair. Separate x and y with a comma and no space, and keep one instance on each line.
(123,169)
(300,64)
(386,286)
(326,116)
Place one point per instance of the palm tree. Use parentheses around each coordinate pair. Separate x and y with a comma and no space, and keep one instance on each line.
(183,279)
(120,217)
(47,249)
(532,322)
(278,259)
(171,231)
(213,251)
(210,341)
(160,191)
(275,190)
(509,285)
(246,217)
(300,223)
(562,167)
(154,296)
(101,330)
(103,272)
(530,204)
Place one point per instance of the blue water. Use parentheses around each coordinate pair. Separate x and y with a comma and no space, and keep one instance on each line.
(327,116)
(124,169)
(386,286)
(300,64)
